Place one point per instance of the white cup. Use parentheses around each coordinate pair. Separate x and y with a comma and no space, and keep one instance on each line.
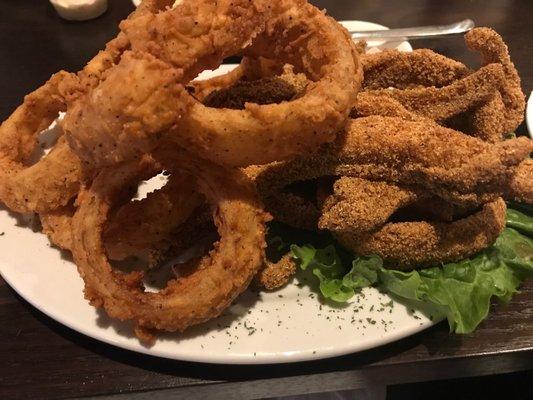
(79,10)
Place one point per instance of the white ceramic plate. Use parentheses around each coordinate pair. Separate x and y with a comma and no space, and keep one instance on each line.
(285,326)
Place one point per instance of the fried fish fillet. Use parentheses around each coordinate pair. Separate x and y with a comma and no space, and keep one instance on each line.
(448,164)
(404,70)
(406,226)
(442,103)
(405,245)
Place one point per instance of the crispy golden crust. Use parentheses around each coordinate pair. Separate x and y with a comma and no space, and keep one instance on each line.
(107,125)
(369,103)
(461,95)
(448,164)
(487,103)
(521,186)
(249,70)
(358,205)
(91,75)
(169,47)
(202,295)
(486,121)
(502,114)
(364,216)
(277,274)
(264,133)
(404,245)
(53,180)
(494,50)
(196,35)
(201,88)
(235,137)
(57,225)
(45,186)
(146,228)
(405,70)
(135,99)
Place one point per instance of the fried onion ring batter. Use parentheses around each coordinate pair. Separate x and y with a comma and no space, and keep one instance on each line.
(52,181)
(264,133)
(187,301)
(145,229)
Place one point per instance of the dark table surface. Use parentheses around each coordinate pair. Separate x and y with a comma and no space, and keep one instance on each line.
(40,358)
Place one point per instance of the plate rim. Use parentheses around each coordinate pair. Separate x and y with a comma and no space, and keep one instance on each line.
(232,359)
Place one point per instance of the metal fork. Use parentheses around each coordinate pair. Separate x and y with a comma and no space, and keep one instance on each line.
(416,32)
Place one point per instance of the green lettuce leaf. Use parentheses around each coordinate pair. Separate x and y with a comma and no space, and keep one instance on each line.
(520,221)
(462,290)
(328,267)
(364,272)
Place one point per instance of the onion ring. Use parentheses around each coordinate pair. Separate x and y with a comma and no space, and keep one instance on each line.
(249,69)
(233,137)
(57,225)
(223,275)
(196,35)
(168,49)
(36,188)
(109,125)
(54,180)
(316,45)
(145,229)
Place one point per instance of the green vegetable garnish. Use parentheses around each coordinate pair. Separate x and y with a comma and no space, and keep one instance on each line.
(462,290)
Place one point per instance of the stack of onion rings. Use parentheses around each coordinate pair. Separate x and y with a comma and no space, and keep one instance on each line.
(133,94)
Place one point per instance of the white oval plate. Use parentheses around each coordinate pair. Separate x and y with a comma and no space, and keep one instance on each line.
(285,326)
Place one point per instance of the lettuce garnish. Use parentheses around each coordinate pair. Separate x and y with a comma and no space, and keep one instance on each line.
(462,290)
